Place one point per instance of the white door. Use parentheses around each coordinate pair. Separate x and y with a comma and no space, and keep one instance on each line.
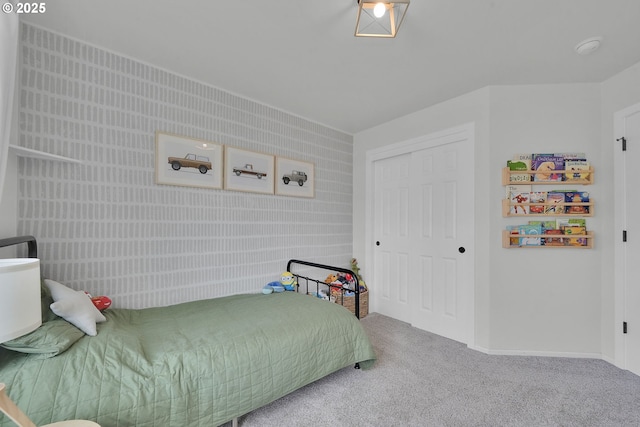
(628,253)
(423,235)
(392,207)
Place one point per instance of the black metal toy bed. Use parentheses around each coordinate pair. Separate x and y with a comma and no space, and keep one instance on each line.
(201,363)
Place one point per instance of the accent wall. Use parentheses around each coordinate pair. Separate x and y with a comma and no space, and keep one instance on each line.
(104,226)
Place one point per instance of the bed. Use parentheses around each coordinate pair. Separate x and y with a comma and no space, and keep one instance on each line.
(201,363)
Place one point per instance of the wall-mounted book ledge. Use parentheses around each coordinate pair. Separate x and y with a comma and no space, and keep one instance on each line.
(562,209)
(576,241)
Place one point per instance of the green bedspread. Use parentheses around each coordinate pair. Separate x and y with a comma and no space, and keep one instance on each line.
(195,364)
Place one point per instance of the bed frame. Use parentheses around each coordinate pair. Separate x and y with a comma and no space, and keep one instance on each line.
(318,284)
(32,247)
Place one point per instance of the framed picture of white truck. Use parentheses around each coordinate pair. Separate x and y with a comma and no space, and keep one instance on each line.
(187,161)
(246,170)
(294,178)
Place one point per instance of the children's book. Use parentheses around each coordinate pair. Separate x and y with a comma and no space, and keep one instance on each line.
(531,235)
(516,189)
(537,197)
(553,241)
(576,169)
(545,225)
(575,230)
(576,197)
(546,166)
(517,208)
(514,230)
(525,157)
(572,155)
(519,165)
(555,202)
(581,222)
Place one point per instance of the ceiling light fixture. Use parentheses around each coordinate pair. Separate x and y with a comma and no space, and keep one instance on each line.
(380,19)
(379,9)
(587,46)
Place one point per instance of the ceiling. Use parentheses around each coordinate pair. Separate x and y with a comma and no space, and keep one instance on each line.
(301,56)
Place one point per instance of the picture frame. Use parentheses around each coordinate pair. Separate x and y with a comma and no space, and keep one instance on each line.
(294,178)
(250,171)
(188,162)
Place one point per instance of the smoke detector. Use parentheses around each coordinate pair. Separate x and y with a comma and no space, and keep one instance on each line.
(587,46)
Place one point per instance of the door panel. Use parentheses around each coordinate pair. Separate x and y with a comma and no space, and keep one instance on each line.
(451,288)
(426,220)
(442,177)
(631,201)
(392,236)
(426,283)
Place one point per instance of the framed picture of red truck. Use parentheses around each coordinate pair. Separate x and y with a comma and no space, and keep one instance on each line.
(246,170)
(188,162)
(294,178)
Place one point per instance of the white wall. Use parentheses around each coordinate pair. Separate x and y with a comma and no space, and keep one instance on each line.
(545,300)
(538,301)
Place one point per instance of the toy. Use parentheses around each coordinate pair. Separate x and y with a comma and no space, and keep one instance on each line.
(321,294)
(101,302)
(346,280)
(267,290)
(288,281)
(356,270)
(331,278)
(275,286)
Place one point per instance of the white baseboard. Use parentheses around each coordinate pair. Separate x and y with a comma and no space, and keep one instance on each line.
(541,353)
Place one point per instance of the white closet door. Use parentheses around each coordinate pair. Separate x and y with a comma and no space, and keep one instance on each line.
(423,236)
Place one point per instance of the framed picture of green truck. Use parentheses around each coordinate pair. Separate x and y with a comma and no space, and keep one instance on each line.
(188,162)
(294,178)
(246,170)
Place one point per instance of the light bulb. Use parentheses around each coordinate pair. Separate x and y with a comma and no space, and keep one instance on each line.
(379,9)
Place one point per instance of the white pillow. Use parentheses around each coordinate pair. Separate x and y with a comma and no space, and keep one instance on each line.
(75,307)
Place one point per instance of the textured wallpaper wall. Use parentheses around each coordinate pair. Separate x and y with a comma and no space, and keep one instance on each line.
(104,226)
